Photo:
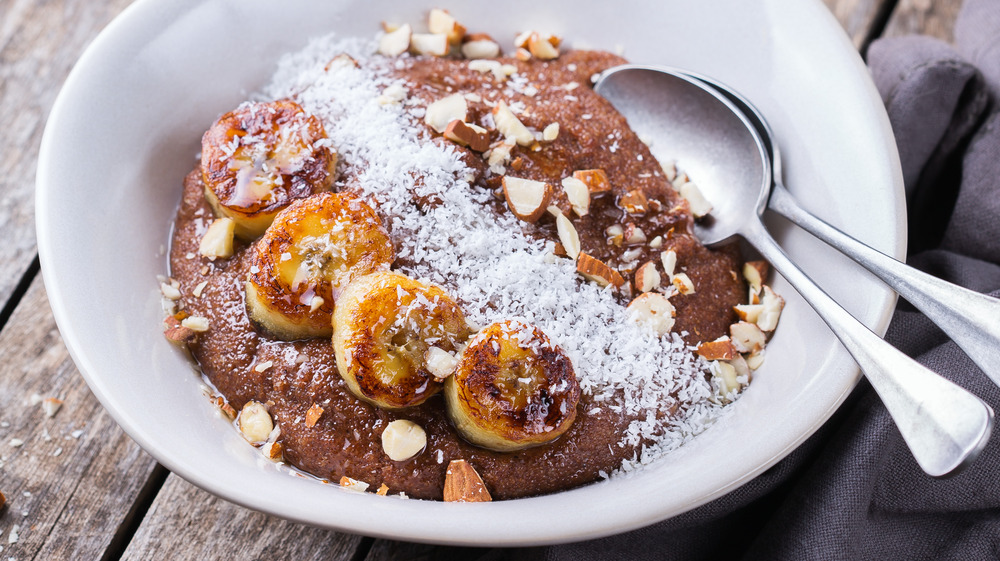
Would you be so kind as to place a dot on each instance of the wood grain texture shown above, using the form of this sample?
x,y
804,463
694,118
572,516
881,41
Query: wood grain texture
x,y
857,17
39,43
925,17
186,523
72,483
387,550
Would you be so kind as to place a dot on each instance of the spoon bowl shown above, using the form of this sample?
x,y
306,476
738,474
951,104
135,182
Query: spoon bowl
x,y
944,426
704,131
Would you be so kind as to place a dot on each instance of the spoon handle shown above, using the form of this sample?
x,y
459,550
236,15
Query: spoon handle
x,y
944,426
971,319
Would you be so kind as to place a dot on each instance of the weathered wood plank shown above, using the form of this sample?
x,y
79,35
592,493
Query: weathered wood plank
x,y
386,550
186,523
39,43
926,17
857,17
73,480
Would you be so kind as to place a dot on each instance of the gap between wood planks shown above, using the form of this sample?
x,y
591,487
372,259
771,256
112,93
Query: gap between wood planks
x,y
18,293
878,26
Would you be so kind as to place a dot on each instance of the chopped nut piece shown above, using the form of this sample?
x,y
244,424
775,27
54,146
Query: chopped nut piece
x,y
656,243
740,364
199,289
597,271
440,21
699,204
647,277
353,484
313,414
226,409
316,303
463,484
747,337
578,195
480,48
383,490
683,283
445,110
526,198
273,451
434,44
653,310
754,272
755,359
466,134
440,363
485,66
218,239
263,366
545,48
255,422
634,202
725,375
510,126
550,132
633,235
392,94
522,54
176,333
616,234
196,323
772,306
748,312
395,42
720,349
51,405
559,250
568,236
521,41
403,439
595,180
170,292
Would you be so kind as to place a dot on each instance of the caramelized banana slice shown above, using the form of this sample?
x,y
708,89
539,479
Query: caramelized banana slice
x,y
259,158
382,327
512,389
314,248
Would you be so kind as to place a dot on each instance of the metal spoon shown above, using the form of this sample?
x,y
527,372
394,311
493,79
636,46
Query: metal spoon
x,y
944,426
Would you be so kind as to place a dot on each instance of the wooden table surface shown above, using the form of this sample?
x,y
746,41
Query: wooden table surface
x,y
78,487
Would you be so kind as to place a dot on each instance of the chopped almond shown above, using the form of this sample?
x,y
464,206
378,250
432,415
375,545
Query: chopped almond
x,y
754,272
595,180
434,44
550,132
510,126
440,21
480,48
578,195
568,236
353,484
544,48
218,239
748,312
634,202
669,259
313,415
772,306
396,41
274,451
403,439
597,271
440,363
51,406
383,490
747,337
466,134
463,484
255,422
226,409
699,204
725,374
720,349
683,283
653,310
442,112
177,333
755,359
633,235
522,54
647,277
526,198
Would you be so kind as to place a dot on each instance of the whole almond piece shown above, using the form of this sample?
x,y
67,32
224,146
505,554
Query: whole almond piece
x,y
463,484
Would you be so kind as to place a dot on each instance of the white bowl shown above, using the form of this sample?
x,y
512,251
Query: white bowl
x,y
127,125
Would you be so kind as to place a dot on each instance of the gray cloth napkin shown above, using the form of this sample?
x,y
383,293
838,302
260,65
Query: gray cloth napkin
x,y
852,491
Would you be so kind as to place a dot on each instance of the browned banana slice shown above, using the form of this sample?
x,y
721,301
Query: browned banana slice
x,y
383,325
259,158
512,389
314,248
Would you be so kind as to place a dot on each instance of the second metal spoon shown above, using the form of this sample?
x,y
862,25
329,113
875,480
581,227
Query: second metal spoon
x,y
944,426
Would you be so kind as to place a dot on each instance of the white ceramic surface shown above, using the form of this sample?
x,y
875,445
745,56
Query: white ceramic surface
x,y
127,125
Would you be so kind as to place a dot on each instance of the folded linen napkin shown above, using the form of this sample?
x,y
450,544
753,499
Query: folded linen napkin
x,y
853,491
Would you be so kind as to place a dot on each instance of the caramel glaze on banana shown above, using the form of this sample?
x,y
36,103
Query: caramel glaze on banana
x,y
257,159
383,325
513,389
306,258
